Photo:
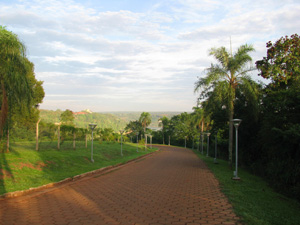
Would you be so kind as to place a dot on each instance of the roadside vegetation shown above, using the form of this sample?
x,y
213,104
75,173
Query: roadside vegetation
x,y
253,200
269,135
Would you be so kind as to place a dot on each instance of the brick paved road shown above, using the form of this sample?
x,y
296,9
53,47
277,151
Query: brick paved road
x,y
170,187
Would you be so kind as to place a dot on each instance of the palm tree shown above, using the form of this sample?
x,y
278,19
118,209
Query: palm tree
x,y
163,123
14,84
198,118
145,120
227,75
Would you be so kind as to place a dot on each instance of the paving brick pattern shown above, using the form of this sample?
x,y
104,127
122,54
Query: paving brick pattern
x,y
170,187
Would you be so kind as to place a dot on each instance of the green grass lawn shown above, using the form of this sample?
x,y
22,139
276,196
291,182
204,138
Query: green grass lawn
x,y
253,200
24,167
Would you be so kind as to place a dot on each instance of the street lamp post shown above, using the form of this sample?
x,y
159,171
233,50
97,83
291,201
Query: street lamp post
x,y
122,132
146,137
184,141
207,144
137,141
236,123
92,126
151,141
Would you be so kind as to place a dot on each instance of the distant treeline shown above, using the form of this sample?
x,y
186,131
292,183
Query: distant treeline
x,y
113,120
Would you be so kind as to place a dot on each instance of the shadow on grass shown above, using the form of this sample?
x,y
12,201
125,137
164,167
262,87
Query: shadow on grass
x,y
5,172
33,168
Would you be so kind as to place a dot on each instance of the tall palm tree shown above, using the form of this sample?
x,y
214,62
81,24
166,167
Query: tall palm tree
x,y
229,71
145,120
163,123
198,118
14,84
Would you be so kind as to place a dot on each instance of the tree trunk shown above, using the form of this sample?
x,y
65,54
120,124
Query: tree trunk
x,y
231,112
4,108
37,136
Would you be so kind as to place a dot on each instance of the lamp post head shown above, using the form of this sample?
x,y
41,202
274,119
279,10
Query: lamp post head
x,y
121,131
236,122
92,126
207,134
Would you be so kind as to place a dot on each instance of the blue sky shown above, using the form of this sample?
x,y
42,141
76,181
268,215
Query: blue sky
x,y
135,55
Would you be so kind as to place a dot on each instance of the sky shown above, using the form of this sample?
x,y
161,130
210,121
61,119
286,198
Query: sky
x,y
133,55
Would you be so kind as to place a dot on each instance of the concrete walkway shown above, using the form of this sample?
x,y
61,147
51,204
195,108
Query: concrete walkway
x,y
170,187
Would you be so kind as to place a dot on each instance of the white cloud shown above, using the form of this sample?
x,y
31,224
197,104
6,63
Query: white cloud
x,y
137,59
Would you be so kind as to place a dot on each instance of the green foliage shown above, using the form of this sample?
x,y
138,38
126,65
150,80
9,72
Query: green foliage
x,y
20,91
164,123
82,121
133,116
108,134
178,128
145,120
280,138
252,198
67,117
222,79
269,134
134,127
283,60
279,148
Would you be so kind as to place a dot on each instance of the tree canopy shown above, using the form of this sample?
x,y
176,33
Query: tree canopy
x,y
224,77
20,91
145,120
282,63
67,117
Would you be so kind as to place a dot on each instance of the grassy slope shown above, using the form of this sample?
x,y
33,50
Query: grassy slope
x,y
25,168
104,120
253,200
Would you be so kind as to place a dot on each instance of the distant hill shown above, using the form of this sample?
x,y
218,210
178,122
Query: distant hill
x,y
114,120
103,120
155,116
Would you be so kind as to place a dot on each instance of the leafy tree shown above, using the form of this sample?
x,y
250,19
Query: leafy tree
x,y
67,117
164,124
134,127
15,86
226,76
282,63
182,126
145,120
107,134
280,130
29,117
199,119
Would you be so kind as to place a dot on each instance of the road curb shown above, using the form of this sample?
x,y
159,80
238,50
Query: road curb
x,y
69,180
